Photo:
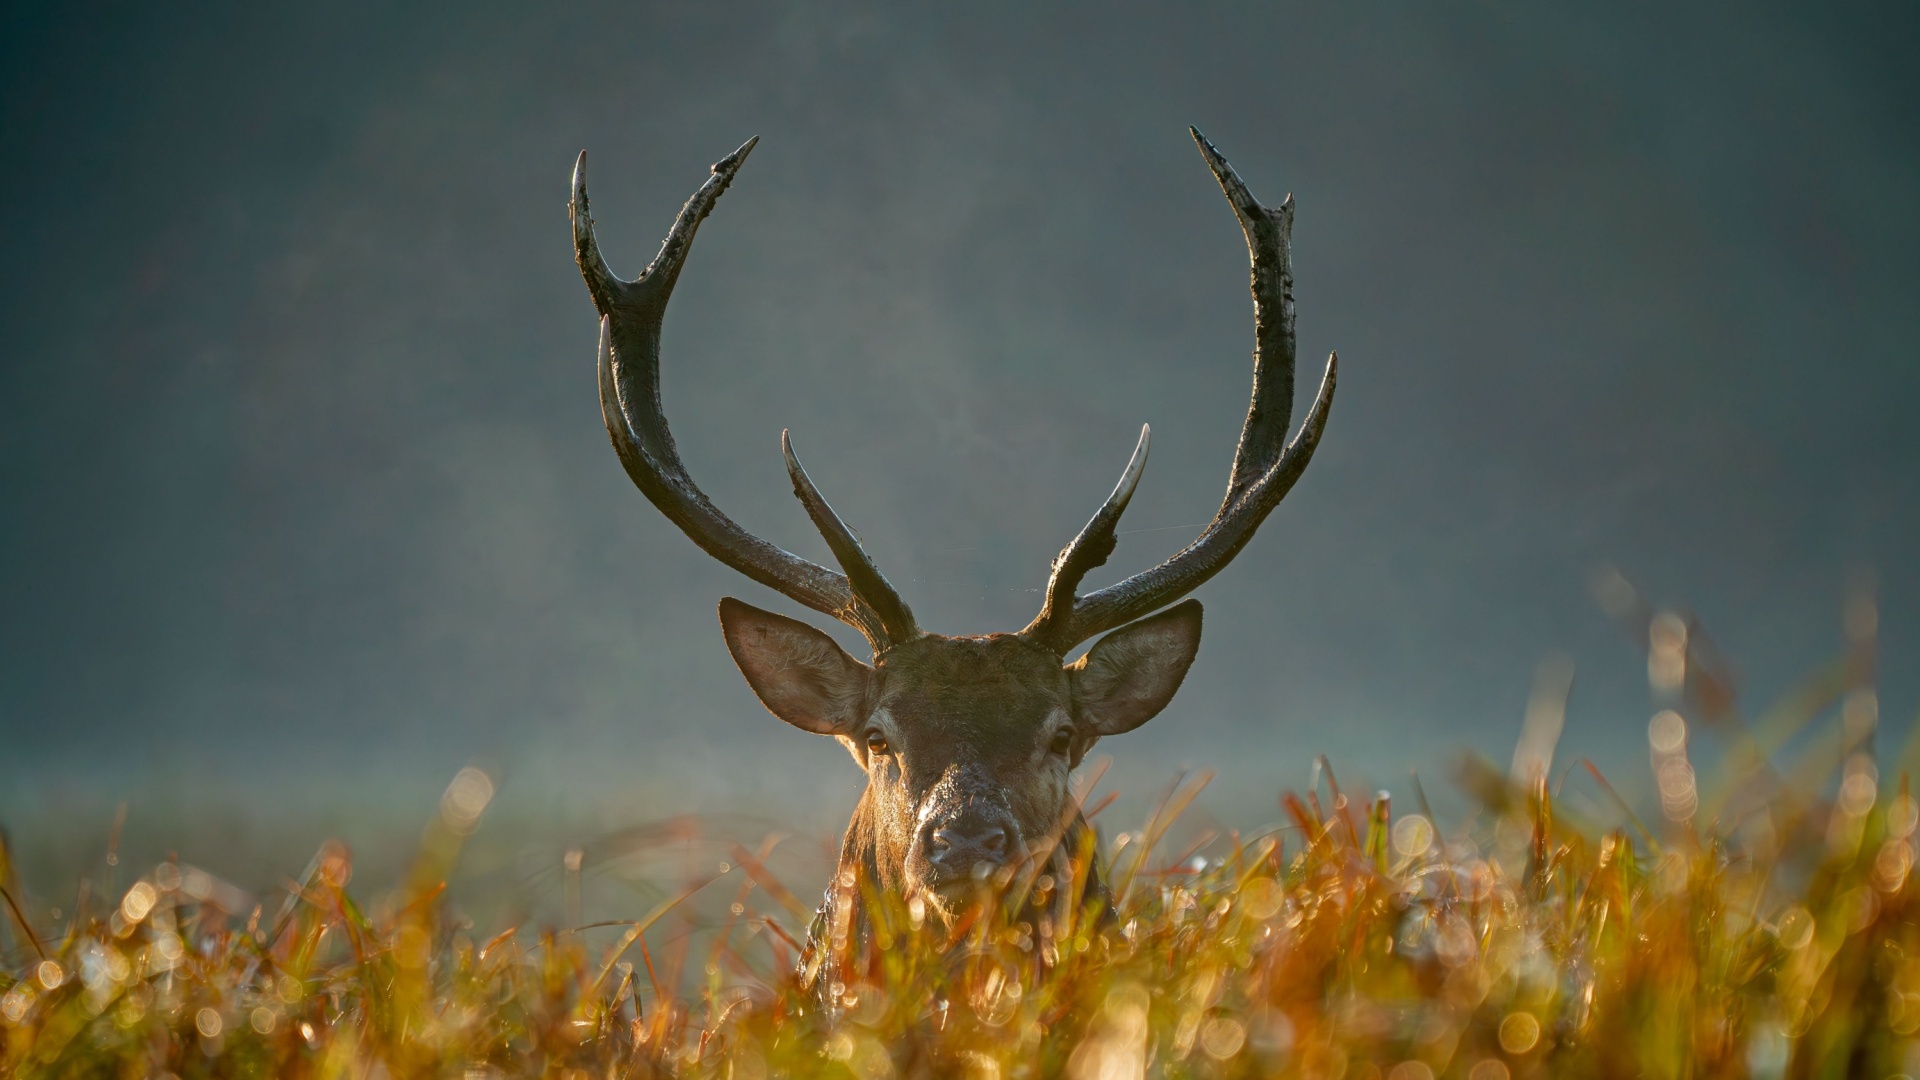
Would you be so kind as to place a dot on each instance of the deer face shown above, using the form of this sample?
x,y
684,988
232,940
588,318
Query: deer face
x,y
967,742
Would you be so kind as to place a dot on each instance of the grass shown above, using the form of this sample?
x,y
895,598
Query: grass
x,y
1763,923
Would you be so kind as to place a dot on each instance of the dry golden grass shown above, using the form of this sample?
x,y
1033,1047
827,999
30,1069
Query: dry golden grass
x,y
1761,925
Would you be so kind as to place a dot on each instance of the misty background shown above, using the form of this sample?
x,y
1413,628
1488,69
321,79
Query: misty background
x,y
305,501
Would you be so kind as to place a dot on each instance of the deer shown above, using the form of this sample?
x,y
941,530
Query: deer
x,y
968,743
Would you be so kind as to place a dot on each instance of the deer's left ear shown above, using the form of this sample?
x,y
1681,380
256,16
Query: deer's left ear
x,y
1130,675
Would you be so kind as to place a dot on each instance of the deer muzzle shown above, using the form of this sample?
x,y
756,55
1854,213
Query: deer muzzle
x,y
966,835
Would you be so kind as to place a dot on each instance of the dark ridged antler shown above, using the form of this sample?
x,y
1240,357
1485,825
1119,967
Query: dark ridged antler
x,y
630,318
1265,465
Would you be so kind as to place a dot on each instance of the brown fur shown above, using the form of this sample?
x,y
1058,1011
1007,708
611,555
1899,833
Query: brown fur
x,y
959,737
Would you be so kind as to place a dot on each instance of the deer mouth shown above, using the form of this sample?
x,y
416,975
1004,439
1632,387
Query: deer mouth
x,y
949,896
960,889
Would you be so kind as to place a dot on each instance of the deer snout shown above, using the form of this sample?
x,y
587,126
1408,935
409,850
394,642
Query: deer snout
x,y
969,845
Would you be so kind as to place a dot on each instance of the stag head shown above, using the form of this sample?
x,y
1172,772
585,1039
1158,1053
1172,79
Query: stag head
x,y
967,742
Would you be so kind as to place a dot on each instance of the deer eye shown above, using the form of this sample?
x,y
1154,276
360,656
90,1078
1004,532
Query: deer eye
x,y
1062,743
876,743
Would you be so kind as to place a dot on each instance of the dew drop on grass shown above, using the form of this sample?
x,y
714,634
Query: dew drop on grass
x,y
1519,1032
1412,836
1222,1037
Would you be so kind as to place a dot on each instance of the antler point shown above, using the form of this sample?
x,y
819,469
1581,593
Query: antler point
x,y
731,163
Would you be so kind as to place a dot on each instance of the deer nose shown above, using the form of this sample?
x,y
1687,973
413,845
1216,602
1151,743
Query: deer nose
x,y
968,846
988,840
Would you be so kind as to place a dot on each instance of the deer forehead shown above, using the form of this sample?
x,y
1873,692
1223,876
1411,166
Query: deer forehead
x,y
976,687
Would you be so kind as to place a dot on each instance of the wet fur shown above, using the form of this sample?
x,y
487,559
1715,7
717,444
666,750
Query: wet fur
x,y
952,730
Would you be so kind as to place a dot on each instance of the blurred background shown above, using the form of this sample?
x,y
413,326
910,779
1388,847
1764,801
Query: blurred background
x,y
305,502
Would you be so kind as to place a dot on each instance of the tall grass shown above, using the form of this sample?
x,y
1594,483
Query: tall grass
x,y
1760,924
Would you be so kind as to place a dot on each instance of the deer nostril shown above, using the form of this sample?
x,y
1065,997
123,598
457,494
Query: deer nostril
x,y
993,841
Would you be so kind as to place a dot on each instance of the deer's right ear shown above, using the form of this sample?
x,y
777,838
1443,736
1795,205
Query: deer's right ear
x,y
801,675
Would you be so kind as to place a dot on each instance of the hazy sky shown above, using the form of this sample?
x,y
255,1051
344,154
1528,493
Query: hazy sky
x,y
302,478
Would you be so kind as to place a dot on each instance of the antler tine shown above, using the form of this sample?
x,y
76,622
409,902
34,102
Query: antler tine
x,y
1269,234
655,283
629,368
1086,551
869,584
1265,464
605,288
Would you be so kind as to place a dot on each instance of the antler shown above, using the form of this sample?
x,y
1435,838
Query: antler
x,y
1265,465
630,318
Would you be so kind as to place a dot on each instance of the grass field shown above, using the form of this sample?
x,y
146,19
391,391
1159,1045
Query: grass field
x,y
1761,922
